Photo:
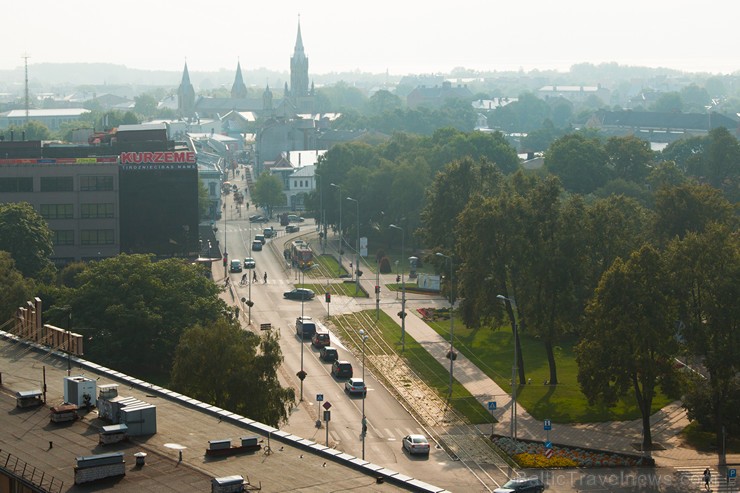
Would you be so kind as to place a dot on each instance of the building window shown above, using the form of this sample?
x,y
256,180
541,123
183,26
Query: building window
x,y
96,183
96,237
63,237
16,184
92,211
56,184
56,211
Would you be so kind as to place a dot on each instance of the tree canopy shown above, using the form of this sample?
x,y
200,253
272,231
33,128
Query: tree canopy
x,y
27,237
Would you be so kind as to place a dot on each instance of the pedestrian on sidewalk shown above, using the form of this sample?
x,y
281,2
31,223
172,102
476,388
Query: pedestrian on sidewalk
x,y
265,277
707,477
254,276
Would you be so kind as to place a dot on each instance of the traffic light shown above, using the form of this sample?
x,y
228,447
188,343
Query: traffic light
x,y
398,278
327,297
377,289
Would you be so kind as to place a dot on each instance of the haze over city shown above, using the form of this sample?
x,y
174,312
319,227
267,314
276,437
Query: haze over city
x,y
380,36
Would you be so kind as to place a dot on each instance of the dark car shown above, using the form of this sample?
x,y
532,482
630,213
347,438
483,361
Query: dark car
x,y
522,485
261,238
320,339
257,218
269,232
256,246
292,228
299,294
342,369
329,354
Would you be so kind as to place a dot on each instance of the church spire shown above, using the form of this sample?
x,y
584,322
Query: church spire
x,y
186,95
238,89
299,39
299,68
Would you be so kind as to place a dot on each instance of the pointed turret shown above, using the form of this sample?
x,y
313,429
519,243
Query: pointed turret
x,y
267,100
299,68
186,95
239,89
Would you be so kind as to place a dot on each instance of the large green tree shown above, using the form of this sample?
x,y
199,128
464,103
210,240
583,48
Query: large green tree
x,y
629,157
628,340
268,192
133,310
580,162
706,270
689,207
27,237
221,364
15,288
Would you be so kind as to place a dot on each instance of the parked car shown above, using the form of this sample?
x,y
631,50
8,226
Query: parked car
x,y
355,386
329,354
416,444
304,294
260,238
256,246
522,485
342,369
320,339
249,263
235,266
292,228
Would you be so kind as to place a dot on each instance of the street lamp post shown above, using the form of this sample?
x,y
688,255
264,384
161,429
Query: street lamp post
x,y
303,342
340,225
514,369
451,354
357,258
403,288
364,418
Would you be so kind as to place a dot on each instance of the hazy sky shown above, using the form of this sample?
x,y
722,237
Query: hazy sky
x,y
401,36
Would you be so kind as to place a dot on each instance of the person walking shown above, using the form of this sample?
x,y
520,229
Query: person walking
x,y
244,279
265,277
707,477
254,276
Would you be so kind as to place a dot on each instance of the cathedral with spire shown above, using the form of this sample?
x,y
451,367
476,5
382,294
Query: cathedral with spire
x,y
298,97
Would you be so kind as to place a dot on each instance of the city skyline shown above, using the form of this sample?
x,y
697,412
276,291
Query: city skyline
x,y
400,38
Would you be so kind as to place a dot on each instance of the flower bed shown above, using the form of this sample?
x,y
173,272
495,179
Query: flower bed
x,y
532,455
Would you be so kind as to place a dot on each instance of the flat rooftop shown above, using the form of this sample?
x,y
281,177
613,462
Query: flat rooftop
x,y
50,449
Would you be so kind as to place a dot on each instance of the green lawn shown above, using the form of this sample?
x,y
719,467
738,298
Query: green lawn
x,y
428,369
493,352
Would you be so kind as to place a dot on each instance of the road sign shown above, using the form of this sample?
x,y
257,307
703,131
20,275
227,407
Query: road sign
x,y
548,453
491,405
319,397
732,473
548,444
327,405
548,425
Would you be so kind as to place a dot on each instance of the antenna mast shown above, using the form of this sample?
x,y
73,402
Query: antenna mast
x,y
25,59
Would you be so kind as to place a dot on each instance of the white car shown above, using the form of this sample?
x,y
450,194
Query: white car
x,y
355,386
416,444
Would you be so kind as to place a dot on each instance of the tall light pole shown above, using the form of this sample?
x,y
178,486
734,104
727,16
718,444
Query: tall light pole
x,y
403,288
303,342
357,258
451,354
514,369
340,225
364,393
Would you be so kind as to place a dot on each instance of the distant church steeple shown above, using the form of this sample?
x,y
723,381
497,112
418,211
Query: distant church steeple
x,y
239,89
267,100
299,68
186,95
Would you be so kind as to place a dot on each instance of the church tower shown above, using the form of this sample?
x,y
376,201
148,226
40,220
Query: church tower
x,y
239,89
267,100
186,95
298,69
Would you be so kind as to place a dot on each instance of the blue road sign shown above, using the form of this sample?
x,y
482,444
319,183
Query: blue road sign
x,y
548,425
548,444
732,473
491,405
319,397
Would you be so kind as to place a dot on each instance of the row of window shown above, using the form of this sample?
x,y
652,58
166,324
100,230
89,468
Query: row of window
x,y
66,211
300,183
87,237
57,184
